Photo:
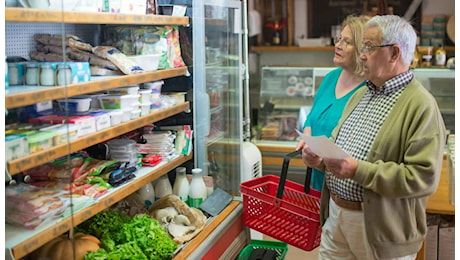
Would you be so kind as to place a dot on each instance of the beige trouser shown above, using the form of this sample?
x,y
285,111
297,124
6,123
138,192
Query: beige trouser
x,y
343,237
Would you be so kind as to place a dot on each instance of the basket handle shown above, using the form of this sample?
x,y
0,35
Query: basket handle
x,y
284,170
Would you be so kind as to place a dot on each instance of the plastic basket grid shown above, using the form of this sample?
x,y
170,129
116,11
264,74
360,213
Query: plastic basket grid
x,y
293,219
279,247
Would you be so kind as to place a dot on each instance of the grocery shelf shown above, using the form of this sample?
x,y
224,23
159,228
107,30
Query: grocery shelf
x,y
22,241
17,14
27,162
18,96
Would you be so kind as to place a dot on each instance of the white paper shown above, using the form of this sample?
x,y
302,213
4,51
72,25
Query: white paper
x,y
323,146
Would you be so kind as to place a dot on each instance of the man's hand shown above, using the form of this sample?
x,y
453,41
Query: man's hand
x,y
311,159
300,145
342,168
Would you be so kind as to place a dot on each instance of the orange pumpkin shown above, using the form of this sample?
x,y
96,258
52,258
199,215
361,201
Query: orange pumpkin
x,y
61,248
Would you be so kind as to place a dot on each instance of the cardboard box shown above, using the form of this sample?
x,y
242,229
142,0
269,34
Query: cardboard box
x,y
16,146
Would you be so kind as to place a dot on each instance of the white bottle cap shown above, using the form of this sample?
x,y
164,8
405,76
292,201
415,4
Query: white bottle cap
x,y
196,170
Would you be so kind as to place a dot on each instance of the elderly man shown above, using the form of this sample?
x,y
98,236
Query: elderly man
x,y
373,202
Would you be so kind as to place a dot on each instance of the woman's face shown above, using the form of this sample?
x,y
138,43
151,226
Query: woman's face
x,y
344,50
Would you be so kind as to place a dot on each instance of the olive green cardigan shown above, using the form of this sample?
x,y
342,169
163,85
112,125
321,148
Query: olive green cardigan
x,y
403,169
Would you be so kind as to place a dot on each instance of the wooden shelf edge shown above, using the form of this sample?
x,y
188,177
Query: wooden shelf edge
x,y
207,230
28,246
24,163
19,14
58,92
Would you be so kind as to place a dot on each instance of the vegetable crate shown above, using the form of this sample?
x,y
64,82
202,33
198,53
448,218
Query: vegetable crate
x,y
279,247
288,212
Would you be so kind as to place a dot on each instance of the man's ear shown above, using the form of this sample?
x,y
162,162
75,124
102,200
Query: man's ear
x,y
395,53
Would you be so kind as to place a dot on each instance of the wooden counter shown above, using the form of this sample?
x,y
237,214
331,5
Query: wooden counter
x,y
439,202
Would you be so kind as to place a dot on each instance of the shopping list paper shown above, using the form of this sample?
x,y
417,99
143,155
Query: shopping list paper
x,y
323,146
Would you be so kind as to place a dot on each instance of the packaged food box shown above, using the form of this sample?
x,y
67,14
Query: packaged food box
x,y
73,105
95,103
80,71
102,119
40,141
115,116
145,96
64,133
145,109
126,115
128,90
48,119
135,113
87,124
16,146
119,101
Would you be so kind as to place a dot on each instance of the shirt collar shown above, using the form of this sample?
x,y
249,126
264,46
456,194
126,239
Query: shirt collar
x,y
391,85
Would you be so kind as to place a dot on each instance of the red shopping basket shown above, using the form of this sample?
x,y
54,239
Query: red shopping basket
x,y
288,212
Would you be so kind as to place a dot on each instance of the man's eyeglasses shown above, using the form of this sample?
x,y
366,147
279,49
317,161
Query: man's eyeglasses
x,y
366,49
338,40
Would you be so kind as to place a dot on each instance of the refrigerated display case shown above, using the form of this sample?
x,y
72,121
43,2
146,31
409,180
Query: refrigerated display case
x,y
217,110
286,94
218,91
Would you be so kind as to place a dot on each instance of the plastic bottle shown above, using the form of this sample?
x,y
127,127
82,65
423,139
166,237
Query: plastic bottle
x,y
198,192
162,187
147,194
440,56
32,74
64,75
181,186
13,74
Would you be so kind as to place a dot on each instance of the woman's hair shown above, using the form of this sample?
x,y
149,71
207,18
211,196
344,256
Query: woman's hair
x,y
396,30
356,25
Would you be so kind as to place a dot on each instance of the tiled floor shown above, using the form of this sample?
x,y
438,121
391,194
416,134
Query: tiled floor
x,y
294,253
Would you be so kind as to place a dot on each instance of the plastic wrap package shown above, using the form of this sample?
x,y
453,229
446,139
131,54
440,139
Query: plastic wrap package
x,y
118,58
30,206
144,40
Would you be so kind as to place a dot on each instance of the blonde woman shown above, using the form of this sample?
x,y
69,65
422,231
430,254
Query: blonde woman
x,y
337,86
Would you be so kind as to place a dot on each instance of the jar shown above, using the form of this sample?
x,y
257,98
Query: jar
x,y
13,74
31,74
46,75
151,41
64,75
426,52
7,80
440,56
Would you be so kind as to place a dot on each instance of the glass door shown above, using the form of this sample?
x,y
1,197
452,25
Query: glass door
x,y
218,95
